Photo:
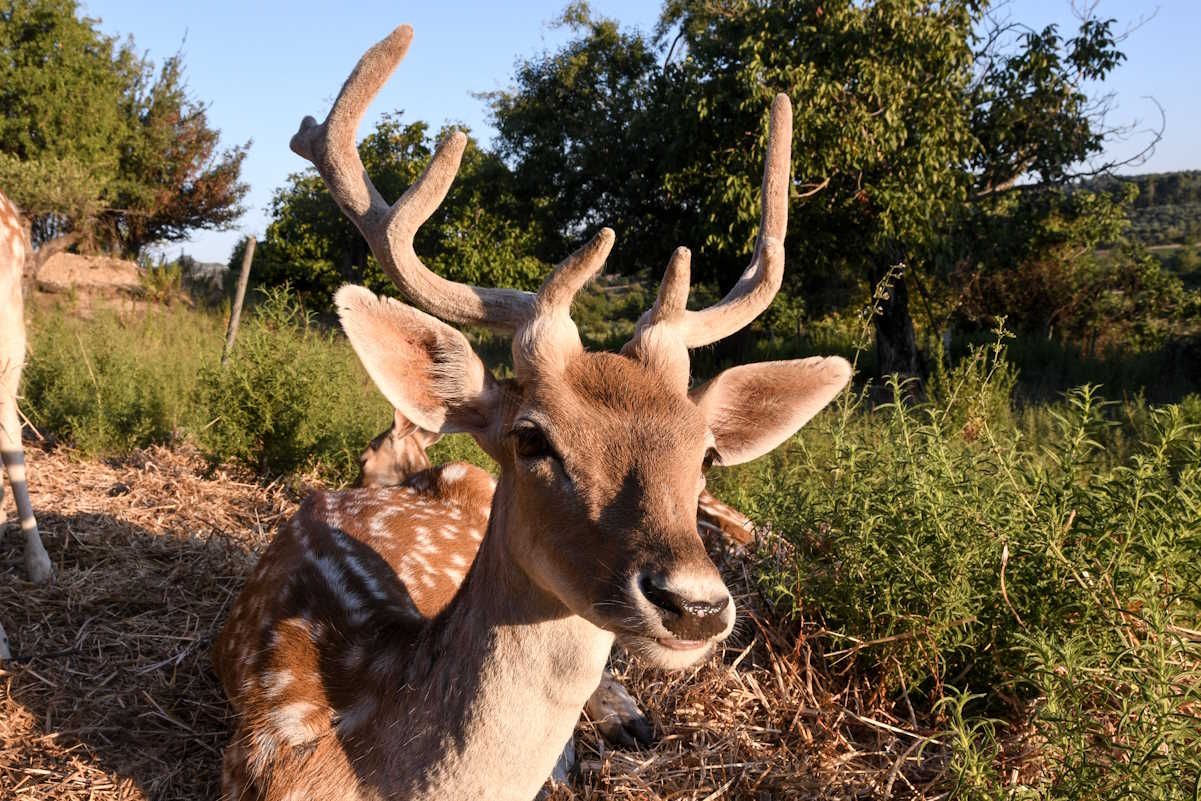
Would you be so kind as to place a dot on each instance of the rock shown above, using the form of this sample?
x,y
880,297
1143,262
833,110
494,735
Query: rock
x,y
63,272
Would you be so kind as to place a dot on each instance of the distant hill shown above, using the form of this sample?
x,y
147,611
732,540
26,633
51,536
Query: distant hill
x,y
1167,210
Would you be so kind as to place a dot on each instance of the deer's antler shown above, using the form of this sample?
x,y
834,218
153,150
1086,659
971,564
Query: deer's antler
x,y
389,229
666,332
542,328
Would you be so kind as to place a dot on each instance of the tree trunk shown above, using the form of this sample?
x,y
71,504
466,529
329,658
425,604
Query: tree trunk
x,y
34,259
896,343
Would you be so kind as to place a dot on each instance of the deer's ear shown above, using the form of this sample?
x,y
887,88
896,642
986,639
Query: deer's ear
x,y
753,408
425,368
401,425
426,438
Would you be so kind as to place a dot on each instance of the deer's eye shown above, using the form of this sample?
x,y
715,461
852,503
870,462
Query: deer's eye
x,y
530,442
711,456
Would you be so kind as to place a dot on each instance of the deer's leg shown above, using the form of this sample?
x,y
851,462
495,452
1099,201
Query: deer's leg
x,y
5,654
566,764
37,561
617,715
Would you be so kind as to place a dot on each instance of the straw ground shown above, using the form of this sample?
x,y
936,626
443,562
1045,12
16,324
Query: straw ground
x,y
111,695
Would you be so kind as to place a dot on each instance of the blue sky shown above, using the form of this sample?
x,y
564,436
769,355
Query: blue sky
x,y
262,65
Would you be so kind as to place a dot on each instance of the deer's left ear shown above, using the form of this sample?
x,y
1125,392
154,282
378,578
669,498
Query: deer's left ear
x,y
753,408
426,369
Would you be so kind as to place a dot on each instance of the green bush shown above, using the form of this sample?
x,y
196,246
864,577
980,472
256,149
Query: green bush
x,y
965,543
117,382
293,397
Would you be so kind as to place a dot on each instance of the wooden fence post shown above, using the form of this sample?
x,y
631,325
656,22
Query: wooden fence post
x,y
235,314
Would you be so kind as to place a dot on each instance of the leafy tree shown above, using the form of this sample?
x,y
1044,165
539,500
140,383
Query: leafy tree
x,y
61,86
172,179
1167,208
1030,114
905,120
1051,252
1075,274
590,136
311,245
97,146
881,136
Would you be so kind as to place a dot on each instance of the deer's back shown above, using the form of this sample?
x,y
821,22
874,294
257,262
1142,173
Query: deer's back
x,y
298,654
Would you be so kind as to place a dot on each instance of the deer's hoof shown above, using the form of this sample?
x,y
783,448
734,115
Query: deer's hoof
x,y
618,716
37,562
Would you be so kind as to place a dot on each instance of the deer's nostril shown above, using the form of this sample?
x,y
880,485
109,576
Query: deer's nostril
x,y
679,608
654,587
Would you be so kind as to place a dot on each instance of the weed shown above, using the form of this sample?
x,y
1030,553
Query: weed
x,y
292,398
995,571
117,382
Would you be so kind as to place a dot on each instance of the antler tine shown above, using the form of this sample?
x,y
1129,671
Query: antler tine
x,y
570,275
672,300
666,331
330,146
658,337
389,230
549,337
761,280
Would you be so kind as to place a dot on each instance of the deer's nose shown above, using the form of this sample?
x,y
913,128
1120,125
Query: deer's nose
x,y
689,613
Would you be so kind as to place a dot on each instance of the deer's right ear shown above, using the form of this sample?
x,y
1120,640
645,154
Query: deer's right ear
x,y
425,368
401,425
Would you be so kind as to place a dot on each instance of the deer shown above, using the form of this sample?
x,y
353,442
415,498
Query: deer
x,y
397,456
13,252
340,687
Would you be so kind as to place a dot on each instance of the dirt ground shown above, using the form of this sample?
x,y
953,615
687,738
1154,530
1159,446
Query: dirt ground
x,y
111,694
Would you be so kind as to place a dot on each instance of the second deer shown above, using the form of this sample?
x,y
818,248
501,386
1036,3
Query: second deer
x,y
13,249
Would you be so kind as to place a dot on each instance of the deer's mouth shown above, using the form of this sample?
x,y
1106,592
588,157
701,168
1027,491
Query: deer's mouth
x,y
668,653
675,644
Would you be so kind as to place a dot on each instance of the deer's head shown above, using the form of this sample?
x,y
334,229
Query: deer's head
x,y
602,455
395,454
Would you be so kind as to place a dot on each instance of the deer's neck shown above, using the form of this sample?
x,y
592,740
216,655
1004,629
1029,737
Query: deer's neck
x,y
494,688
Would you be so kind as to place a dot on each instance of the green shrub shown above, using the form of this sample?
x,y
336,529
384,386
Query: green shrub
x,y
162,282
956,542
117,382
293,397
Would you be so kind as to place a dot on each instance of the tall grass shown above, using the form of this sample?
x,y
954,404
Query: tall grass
x,y
118,381
1003,563
293,398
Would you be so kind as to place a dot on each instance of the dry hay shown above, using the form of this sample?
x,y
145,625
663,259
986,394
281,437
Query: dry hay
x,y
115,698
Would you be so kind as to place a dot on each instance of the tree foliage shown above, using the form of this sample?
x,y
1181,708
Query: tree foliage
x,y
1030,114
909,116
587,133
1058,262
95,141
310,244
1167,208
925,133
